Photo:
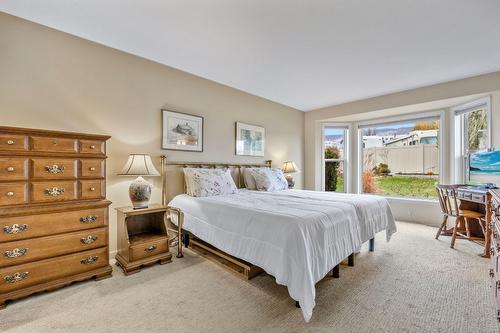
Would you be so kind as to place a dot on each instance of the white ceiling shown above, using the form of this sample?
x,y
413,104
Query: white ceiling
x,y
302,53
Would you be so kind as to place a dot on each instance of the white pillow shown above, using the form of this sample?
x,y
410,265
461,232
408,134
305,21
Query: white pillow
x,y
267,179
248,179
209,182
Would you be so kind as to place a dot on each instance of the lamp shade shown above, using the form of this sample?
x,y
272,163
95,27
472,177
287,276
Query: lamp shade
x,y
290,167
139,165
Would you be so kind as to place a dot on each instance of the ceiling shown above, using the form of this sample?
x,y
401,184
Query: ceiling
x,y
304,54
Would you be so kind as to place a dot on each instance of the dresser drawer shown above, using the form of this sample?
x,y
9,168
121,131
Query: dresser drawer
x,y
13,142
147,249
25,275
92,147
53,191
92,168
13,194
23,227
19,252
54,168
92,189
13,168
53,144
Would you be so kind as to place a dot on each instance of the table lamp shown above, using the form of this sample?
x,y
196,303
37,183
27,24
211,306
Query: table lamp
x,y
290,167
139,190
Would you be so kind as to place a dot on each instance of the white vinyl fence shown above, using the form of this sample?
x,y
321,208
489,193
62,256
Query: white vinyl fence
x,y
420,159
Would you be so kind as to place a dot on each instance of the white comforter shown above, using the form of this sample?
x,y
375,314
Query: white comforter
x,y
296,236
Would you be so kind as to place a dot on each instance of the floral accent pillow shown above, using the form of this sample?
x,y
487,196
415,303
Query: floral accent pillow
x,y
248,178
209,182
269,179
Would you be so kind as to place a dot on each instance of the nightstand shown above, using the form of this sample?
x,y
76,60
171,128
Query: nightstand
x,y
142,238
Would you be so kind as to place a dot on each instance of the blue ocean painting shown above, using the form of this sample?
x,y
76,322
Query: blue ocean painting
x,y
485,167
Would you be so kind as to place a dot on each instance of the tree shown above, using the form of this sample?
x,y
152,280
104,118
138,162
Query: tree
x,y
331,169
477,122
426,125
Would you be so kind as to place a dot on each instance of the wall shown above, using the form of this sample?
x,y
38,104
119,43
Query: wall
x,y
52,80
404,209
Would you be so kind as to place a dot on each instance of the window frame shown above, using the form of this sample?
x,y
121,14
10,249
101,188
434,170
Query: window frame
x,y
346,127
459,113
439,114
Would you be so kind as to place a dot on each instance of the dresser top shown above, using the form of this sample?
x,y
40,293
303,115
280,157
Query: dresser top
x,y
21,130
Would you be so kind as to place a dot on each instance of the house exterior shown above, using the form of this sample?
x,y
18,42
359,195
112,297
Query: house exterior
x,y
414,138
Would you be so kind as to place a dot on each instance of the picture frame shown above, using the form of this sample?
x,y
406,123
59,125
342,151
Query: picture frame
x,y
182,131
250,139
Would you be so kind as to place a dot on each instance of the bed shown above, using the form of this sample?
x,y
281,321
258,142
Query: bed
x,y
296,236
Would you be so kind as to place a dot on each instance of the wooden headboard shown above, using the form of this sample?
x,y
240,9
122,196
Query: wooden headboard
x,y
176,172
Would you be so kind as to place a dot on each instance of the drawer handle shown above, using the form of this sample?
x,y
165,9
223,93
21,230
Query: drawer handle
x,y
54,191
88,240
54,169
10,169
92,189
492,273
15,229
92,169
150,248
16,277
9,194
92,146
10,142
89,260
15,253
88,219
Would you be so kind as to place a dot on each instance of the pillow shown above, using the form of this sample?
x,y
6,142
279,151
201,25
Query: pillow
x,y
209,182
269,179
248,179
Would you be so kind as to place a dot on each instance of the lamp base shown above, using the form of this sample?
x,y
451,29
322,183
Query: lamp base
x,y
291,182
139,193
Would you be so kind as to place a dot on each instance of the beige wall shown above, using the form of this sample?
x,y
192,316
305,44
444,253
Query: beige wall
x,y
52,80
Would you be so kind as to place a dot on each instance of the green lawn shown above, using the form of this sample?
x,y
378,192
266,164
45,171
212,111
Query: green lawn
x,y
413,187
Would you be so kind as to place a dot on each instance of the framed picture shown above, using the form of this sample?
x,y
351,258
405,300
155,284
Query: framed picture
x,y
181,131
250,140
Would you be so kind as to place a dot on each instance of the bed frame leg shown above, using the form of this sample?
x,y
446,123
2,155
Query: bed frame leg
x,y
336,272
350,260
371,245
185,239
297,305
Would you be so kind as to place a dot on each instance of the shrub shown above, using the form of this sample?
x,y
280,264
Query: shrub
x,y
331,169
369,185
381,169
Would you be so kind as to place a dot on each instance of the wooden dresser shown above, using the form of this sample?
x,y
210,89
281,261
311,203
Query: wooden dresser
x,y
53,210
495,248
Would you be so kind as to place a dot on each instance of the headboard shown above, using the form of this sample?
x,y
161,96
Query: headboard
x,y
175,174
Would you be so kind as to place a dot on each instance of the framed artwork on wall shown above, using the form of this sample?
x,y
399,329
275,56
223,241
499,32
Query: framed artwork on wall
x,y
181,131
250,140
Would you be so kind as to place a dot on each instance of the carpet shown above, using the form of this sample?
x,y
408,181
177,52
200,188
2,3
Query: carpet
x,y
412,284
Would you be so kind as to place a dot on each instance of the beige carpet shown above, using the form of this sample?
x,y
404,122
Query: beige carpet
x,y
412,284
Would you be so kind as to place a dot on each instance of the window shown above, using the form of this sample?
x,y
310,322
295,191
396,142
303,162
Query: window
x,y
401,159
334,158
472,133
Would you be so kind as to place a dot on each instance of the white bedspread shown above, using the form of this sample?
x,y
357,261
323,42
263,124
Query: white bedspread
x,y
296,236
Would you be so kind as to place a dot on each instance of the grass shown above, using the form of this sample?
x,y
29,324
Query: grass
x,y
411,187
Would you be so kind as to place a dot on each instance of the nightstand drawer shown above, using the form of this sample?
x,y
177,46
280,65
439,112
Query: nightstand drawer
x,y
140,249
19,252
